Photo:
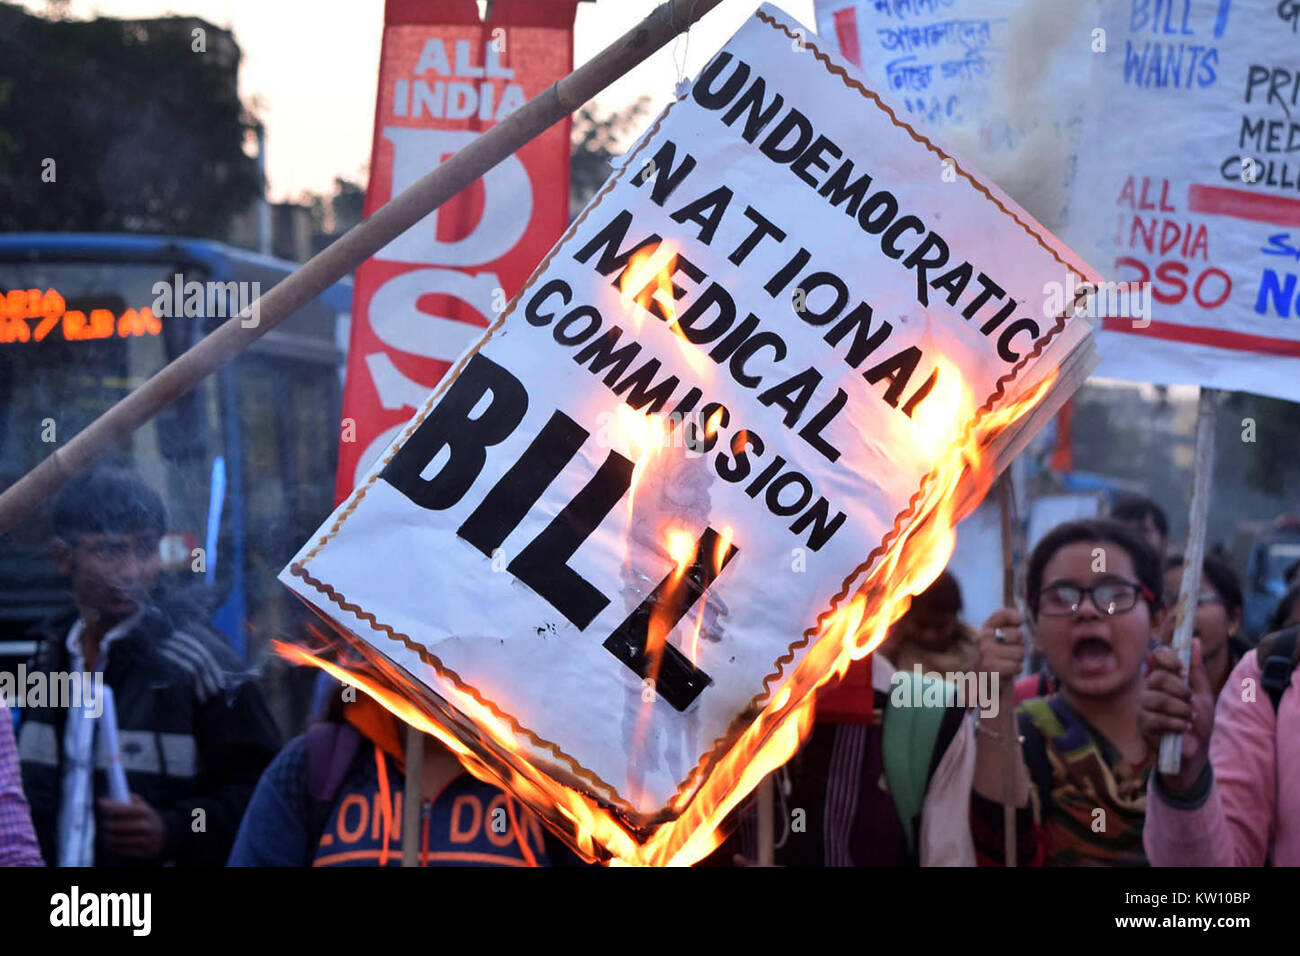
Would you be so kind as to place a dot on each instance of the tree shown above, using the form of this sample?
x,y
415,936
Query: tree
x,y
596,140
336,214
121,126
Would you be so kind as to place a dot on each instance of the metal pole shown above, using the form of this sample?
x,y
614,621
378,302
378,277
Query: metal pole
x,y
1007,712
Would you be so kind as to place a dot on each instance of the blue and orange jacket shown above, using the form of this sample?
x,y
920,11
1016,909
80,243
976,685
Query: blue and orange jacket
x,y
468,823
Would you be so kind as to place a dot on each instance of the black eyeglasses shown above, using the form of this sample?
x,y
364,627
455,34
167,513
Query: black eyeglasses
x,y
1109,597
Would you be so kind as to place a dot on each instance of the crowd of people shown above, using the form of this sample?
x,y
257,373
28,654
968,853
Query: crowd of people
x,y
880,781
897,787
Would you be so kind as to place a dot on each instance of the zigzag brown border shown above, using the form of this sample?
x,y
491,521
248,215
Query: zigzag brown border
x,y
722,743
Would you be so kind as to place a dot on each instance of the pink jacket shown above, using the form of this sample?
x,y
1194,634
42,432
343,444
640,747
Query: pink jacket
x,y
1252,812
18,846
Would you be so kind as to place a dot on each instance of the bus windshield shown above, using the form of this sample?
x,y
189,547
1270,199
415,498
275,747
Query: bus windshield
x,y
75,337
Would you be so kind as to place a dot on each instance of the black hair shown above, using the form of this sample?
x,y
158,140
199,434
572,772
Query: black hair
x,y
107,501
1145,563
943,596
1135,508
1222,578
1277,620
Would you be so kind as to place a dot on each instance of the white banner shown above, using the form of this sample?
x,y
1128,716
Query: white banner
x,y
1191,183
844,295
1004,82
936,59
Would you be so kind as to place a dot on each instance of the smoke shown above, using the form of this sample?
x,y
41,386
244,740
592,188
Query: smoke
x,y
1039,102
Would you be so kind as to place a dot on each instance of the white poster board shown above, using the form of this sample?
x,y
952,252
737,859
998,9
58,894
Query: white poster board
x,y
1191,186
840,281
1003,81
938,60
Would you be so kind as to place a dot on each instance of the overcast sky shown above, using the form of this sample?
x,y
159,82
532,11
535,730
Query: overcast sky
x,y
310,69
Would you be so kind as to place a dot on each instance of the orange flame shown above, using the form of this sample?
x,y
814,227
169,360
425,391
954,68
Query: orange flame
x,y
724,544
647,280
646,436
681,548
853,630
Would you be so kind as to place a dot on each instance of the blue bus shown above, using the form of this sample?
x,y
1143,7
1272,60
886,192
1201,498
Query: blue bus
x,y
245,462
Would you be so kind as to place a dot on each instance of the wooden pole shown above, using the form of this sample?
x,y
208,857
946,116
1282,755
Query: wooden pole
x,y
1007,709
348,252
411,794
766,822
1171,745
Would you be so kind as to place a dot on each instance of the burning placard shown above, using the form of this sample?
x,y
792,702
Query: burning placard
x,y
705,454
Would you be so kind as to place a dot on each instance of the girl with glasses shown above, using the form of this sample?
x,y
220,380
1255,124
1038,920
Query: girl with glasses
x,y
1093,591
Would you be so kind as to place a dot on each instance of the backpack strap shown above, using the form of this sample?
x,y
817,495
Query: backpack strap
x,y
1277,661
331,750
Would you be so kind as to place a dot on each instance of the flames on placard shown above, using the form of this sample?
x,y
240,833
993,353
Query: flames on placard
x,y
648,281
645,436
785,712
681,548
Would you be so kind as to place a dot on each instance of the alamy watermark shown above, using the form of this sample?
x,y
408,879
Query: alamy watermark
x,y
695,432
133,911
208,299
964,689
1121,300
60,689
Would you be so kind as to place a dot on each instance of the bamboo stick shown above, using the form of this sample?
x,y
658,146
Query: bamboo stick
x,y
347,253
411,795
1007,710
766,822
1171,745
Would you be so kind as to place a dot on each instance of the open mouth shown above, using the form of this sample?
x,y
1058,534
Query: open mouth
x,y
1093,655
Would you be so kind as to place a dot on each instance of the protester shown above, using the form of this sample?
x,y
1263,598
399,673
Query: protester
x,y
1094,597
931,632
1236,798
18,846
333,797
194,734
1218,614
877,756
1038,684
1146,518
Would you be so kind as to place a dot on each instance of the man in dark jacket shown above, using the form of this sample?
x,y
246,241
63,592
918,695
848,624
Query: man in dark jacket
x,y
194,732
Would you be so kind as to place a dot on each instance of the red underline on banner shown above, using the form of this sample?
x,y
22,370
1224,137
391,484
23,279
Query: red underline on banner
x,y
1240,204
1216,338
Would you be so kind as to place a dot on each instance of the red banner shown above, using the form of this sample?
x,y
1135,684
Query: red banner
x,y
446,76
